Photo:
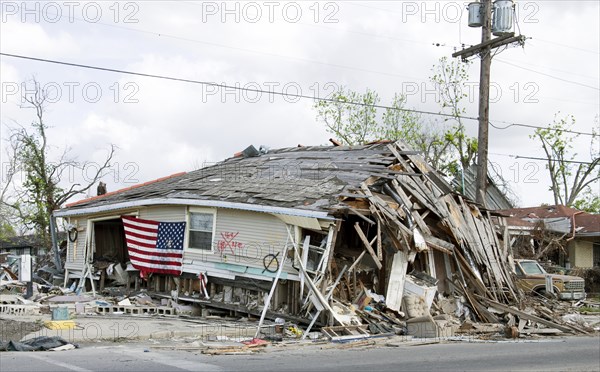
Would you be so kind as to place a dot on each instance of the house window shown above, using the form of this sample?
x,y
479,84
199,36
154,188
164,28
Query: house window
x,y
596,254
201,230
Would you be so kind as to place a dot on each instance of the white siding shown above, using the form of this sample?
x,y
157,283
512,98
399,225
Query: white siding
x,y
242,238
164,213
76,250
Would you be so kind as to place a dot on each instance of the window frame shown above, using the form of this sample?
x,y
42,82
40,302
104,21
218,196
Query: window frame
x,y
188,229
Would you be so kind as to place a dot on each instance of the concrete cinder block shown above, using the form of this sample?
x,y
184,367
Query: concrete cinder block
x,y
20,310
163,310
8,299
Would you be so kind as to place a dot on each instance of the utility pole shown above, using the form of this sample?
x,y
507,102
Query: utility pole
x,y
484,104
484,49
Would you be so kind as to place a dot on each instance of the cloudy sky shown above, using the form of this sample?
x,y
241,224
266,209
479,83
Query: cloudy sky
x,y
304,47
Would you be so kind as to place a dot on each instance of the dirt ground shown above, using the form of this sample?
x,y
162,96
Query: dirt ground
x,y
12,330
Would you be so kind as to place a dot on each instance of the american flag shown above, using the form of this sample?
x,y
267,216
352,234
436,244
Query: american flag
x,y
154,247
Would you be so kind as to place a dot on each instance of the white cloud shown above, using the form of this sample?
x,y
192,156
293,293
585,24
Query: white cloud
x,y
162,127
35,40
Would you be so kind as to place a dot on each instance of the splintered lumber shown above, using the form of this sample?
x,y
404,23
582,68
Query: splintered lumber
x,y
327,297
319,296
524,315
344,333
379,244
365,241
439,244
354,211
357,261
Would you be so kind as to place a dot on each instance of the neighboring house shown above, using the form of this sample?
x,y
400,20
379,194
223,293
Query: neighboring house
x,y
551,227
377,209
13,247
25,244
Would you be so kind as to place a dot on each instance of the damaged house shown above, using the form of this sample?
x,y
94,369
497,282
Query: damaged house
x,y
304,231
566,236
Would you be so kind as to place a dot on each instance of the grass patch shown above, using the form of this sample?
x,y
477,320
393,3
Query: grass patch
x,y
589,309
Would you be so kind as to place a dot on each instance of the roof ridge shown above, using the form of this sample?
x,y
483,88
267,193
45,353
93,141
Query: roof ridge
x,y
125,189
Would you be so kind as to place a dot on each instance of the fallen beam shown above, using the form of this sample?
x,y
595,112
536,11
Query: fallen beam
x,y
524,315
365,241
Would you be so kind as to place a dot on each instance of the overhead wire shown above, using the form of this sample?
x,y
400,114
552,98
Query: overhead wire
x,y
332,64
545,159
568,46
273,92
232,87
548,75
537,127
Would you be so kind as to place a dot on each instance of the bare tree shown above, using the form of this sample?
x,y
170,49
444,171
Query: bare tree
x,y
570,179
41,191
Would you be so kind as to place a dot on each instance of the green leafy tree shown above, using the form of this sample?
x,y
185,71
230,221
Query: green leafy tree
x,y
7,173
445,145
588,201
449,78
573,183
358,124
408,126
353,124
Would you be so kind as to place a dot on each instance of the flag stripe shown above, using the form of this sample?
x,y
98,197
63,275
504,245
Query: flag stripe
x,y
145,252
143,242
154,247
145,235
155,263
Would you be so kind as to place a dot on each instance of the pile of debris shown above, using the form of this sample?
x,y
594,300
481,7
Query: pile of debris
x,y
395,250
416,218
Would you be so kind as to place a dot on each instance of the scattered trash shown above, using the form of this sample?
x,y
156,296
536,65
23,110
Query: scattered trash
x,y
41,343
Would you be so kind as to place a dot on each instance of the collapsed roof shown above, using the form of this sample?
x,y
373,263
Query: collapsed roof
x,y
558,218
311,178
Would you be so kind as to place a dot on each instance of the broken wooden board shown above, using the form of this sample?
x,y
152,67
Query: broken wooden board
x,y
395,290
342,333
365,241
524,315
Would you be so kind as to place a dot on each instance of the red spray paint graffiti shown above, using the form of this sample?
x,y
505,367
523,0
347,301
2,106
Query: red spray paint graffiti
x,y
228,241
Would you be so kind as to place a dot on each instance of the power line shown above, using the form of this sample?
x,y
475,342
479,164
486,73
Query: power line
x,y
548,75
303,96
568,46
551,68
305,60
184,80
546,159
537,127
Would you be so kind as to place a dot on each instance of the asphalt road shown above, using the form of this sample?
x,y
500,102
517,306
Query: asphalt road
x,y
569,354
